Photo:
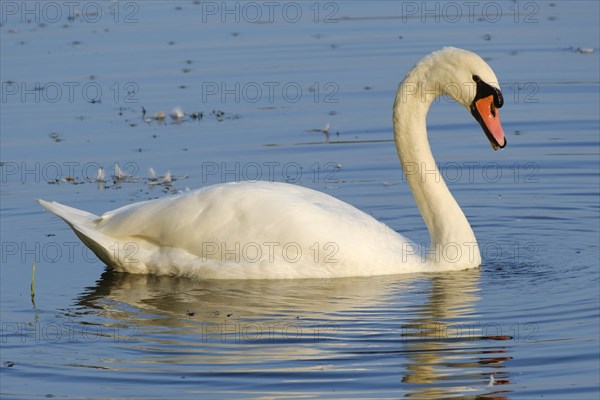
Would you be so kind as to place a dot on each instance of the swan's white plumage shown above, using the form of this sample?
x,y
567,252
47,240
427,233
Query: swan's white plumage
x,y
269,230
218,232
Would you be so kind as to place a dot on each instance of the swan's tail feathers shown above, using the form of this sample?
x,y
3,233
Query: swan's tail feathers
x,y
84,224
70,215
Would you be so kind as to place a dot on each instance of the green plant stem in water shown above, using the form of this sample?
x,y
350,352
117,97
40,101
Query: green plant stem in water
x,y
33,284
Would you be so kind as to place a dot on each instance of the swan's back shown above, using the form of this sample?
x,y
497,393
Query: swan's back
x,y
261,230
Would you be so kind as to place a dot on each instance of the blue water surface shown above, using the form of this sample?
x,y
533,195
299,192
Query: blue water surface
x,y
81,85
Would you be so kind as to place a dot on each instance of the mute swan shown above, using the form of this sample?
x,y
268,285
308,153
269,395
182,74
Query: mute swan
x,y
271,230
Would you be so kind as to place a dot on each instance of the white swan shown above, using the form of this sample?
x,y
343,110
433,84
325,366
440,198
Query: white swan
x,y
270,230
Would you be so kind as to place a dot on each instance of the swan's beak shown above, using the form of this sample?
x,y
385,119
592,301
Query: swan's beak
x,y
486,113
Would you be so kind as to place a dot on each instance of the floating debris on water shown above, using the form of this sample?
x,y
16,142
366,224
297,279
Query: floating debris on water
x,y
151,174
325,130
580,50
100,175
119,173
177,114
167,179
121,176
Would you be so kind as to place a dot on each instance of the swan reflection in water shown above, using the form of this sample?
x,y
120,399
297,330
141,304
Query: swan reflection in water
x,y
444,341
352,326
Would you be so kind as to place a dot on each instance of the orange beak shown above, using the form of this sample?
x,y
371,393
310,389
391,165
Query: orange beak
x,y
486,113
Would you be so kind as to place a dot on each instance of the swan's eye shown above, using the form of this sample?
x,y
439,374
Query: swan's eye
x,y
476,78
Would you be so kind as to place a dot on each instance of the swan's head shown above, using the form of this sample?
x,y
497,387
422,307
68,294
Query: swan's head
x,y
470,81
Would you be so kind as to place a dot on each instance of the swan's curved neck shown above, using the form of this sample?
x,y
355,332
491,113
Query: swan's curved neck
x,y
453,242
